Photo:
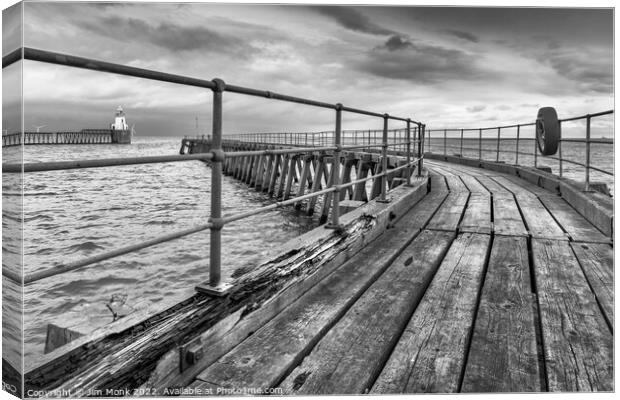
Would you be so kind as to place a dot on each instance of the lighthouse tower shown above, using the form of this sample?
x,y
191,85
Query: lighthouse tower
x,y
120,124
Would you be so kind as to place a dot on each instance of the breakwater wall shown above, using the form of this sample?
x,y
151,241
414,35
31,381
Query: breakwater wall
x,y
85,136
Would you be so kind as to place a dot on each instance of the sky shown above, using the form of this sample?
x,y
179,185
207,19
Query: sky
x,y
454,67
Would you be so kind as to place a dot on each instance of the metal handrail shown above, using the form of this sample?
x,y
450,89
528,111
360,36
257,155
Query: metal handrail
x,y
216,157
561,160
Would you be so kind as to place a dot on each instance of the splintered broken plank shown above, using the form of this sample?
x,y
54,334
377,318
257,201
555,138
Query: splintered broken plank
x,y
506,217
473,185
577,227
455,184
351,355
264,358
539,222
438,183
430,354
449,214
597,263
503,355
578,344
477,218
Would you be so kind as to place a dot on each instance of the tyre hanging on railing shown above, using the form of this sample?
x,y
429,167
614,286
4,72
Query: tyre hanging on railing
x,y
547,131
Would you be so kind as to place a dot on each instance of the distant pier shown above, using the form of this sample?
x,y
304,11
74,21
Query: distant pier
x,y
85,136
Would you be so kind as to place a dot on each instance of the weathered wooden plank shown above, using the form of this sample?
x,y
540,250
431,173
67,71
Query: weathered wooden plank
x,y
539,222
477,217
361,172
265,357
506,217
303,179
448,216
577,227
578,344
430,354
426,208
438,183
353,352
518,185
597,263
274,173
327,199
455,184
267,174
316,185
493,186
473,185
503,356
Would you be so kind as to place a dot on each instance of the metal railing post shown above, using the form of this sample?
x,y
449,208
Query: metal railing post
x,y
445,142
517,148
499,130
560,147
336,171
461,149
384,163
408,151
420,144
429,138
588,117
480,144
215,285
535,149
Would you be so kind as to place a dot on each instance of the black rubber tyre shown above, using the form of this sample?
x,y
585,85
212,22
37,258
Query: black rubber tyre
x,y
547,131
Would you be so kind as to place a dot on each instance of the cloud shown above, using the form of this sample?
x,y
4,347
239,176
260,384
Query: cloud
x,y
475,109
463,35
353,20
171,37
406,59
590,69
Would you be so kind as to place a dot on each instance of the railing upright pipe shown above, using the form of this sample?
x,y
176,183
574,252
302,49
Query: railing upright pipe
x,y
560,148
588,152
445,141
420,145
408,132
336,170
517,145
461,149
499,133
479,144
384,160
215,285
535,149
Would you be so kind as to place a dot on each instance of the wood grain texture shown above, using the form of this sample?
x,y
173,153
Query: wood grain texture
x,y
503,355
449,214
455,184
493,186
506,217
477,217
578,344
597,263
430,355
577,227
349,358
264,358
540,223
473,185
426,209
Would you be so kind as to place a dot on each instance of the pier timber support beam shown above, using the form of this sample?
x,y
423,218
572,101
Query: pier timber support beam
x,y
143,349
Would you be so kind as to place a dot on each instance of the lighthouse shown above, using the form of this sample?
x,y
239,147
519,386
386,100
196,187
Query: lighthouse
x,y
120,124
121,133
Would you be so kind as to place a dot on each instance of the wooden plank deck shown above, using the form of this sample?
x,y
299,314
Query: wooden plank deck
x,y
488,284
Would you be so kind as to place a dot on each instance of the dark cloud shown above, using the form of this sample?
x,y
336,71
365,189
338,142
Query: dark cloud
x,y
590,70
406,59
396,42
171,37
463,35
353,20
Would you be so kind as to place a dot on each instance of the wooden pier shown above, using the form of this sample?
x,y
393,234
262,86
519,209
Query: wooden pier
x,y
488,284
471,280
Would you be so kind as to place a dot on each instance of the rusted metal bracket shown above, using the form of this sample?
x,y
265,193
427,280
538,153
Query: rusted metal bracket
x,y
190,353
